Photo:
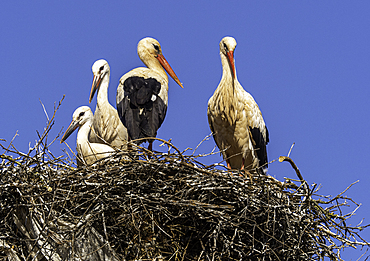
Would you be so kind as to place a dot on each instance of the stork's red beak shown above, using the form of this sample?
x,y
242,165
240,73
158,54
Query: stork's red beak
x,y
95,85
230,57
168,68
71,128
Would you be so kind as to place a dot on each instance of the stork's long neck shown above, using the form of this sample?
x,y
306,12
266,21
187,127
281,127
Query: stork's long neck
x,y
103,89
227,73
83,134
153,64
229,82
226,91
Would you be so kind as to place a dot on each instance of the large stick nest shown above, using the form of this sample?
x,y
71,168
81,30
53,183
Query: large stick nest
x,y
162,206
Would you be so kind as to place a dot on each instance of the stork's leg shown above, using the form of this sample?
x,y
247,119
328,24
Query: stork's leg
x,y
128,143
150,148
228,164
242,164
245,171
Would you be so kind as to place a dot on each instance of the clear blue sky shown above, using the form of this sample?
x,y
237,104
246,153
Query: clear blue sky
x,y
306,63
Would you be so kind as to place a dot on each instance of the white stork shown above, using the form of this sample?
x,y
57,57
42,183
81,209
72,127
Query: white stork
x,y
142,93
89,152
235,119
107,126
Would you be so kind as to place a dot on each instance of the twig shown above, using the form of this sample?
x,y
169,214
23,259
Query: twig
x,y
291,147
200,143
46,114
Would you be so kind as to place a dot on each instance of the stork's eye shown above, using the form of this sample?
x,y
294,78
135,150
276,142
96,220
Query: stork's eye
x,y
226,49
101,68
81,114
156,47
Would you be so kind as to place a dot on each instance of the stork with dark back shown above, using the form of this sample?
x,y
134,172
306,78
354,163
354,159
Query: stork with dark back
x,y
142,110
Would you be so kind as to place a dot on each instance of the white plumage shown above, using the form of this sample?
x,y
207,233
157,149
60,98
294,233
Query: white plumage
x,y
87,152
235,118
107,126
142,94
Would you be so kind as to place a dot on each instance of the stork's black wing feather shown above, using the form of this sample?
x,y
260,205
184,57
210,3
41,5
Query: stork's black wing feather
x,y
121,110
260,143
141,111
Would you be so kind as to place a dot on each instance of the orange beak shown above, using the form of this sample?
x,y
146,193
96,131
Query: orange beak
x,y
95,86
168,68
230,57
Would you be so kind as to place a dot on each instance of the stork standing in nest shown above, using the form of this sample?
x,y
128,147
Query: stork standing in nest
x,y
87,151
142,94
107,126
234,118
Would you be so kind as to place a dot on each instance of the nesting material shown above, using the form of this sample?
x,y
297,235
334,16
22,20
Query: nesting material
x,y
167,206
142,205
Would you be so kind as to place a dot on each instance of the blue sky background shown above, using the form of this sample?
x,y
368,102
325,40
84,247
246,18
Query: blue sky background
x,y
306,63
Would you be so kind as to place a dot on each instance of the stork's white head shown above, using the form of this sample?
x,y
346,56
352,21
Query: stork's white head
x,y
80,116
227,47
227,44
148,46
100,69
150,53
